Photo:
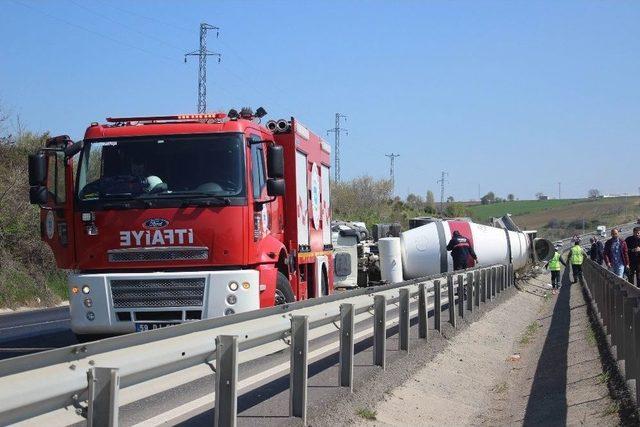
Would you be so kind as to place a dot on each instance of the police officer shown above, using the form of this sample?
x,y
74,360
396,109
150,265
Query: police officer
x,y
576,257
461,251
554,267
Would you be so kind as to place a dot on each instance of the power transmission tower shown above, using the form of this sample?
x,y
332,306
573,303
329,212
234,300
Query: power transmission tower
x,y
202,54
559,190
337,130
392,157
442,181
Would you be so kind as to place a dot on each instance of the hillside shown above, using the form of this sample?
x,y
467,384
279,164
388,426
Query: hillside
x,y
562,218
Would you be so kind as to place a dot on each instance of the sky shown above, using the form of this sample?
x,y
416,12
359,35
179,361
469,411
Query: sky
x,y
505,96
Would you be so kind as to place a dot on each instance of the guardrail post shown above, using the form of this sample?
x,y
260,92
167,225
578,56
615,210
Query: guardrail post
x,y
347,313
437,305
636,333
620,344
496,278
423,313
380,330
452,300
299,367
630,345
403,341
104,384
483,286
461,298
477,287
511,280
226,412
492,283
470,292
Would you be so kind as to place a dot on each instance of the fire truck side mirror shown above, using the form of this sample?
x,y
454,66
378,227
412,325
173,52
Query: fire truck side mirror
x,y
275,161
37,169
275,187
38,195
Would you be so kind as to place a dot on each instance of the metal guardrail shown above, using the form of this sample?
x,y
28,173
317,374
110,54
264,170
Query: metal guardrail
x,y
87,380
617,304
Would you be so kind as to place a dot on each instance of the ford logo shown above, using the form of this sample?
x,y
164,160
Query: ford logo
x,y
155,223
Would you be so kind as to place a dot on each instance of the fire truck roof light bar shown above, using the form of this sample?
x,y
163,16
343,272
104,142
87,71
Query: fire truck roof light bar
x,y
177,117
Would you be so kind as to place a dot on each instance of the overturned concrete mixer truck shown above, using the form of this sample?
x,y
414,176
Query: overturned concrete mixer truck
x,y
422,251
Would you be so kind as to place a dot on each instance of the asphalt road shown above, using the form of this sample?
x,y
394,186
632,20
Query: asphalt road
x,y
31,331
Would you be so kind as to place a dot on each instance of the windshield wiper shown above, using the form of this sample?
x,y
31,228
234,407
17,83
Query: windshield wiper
x,y
194,198
126,204
218,201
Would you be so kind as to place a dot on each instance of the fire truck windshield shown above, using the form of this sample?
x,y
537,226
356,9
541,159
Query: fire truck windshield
x,y
162,167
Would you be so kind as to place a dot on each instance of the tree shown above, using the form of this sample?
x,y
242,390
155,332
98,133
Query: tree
x,y
450,199
488,198
431,203
594,193
456,210
539,195
511,197
414,201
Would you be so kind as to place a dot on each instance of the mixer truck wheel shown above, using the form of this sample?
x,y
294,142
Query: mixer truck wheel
x,y
284,293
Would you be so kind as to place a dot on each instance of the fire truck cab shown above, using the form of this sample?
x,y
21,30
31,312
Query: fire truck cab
x,y
167,219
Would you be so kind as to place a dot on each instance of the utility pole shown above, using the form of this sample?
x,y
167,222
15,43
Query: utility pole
x,y
202,54
442,181
559,190
392,157
336,147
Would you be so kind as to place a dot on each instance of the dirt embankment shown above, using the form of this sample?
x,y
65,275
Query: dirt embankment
x,y
531,360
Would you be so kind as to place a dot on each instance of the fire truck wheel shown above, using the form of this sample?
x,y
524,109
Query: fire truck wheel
x,y
324,284
284,293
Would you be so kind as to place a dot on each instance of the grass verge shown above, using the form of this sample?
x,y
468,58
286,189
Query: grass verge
x,y
530,332
367,414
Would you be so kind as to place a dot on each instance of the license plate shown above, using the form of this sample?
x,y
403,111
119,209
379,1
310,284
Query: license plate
x,y
141,327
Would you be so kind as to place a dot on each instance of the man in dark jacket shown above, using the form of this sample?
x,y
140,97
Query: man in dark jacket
x,y
616,256
596,253
461,251
633,247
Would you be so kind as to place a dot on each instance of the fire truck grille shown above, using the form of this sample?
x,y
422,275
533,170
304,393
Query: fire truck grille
x,y
158,254
158,293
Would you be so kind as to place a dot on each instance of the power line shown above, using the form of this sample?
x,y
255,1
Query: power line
x,y
337,130
442,181
392,158
129,27
202,55
97,33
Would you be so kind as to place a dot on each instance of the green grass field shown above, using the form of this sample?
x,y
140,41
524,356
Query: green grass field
x,y
482,213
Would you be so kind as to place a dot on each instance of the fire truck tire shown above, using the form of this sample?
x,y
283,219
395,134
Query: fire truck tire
x,y
284,293
324,284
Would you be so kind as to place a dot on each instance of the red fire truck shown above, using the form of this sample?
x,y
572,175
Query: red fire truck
x,y
167,219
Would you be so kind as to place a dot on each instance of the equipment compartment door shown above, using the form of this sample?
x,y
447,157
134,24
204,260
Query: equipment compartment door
x,y
302,195
325,205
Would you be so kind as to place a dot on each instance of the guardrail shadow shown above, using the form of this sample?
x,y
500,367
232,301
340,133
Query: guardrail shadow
x,y
547,403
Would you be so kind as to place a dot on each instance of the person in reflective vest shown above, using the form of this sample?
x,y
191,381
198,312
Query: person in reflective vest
x,y
461,251
554,267
576,257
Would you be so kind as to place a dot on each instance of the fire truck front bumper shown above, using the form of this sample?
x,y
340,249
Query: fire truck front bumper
x,y
119,303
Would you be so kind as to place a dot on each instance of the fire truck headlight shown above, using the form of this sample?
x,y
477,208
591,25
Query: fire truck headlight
x,y
232,299
75,290
233,286
88,302
86,289
91,315
246,285
229,312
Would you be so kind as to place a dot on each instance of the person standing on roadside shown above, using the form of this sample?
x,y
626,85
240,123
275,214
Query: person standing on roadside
x,y
596,253
554,267
575,258
616,256
633,248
